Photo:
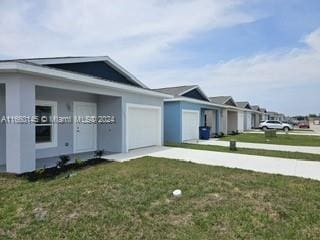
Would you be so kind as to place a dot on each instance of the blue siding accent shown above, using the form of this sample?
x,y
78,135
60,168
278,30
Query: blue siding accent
x,y
172,122
98,69
173,118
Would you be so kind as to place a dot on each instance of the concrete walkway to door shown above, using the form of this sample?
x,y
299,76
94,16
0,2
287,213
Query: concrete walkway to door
x,y
285,148
283,166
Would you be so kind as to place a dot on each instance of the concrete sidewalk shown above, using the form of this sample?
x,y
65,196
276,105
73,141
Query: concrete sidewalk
x,y
292,132
283,166
285,148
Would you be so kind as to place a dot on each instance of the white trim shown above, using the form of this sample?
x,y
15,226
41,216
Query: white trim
x,y
54,137
75,78
189,111
94,105
106,59
134,105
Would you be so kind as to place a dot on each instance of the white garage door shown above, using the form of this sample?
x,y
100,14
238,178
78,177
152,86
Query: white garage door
x,y
143,126
190,124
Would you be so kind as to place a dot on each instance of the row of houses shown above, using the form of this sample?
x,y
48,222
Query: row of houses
x,y
127,114
190,108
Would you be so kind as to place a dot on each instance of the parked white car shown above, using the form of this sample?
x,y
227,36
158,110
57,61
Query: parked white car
x,y
273,124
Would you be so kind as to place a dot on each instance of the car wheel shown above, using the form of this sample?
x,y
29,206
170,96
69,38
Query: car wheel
x,y
264,128
286,129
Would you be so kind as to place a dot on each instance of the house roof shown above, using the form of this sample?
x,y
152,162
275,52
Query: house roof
x,y
263,110
243,105
255,107
55,61
176,91
179,91
28,67
226,100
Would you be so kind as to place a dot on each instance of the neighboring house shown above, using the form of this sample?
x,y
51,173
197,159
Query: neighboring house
x,y
256,116
274,116
230,122
186,112
247,114
74,86
264,115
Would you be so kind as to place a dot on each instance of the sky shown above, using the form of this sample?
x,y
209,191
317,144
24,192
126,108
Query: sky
x,y
266,52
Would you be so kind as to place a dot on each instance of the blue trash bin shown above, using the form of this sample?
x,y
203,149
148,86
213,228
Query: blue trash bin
x,y
204,133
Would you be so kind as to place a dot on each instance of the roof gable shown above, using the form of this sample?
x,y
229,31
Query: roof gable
x,y
102,67
98,69
196,94
226,100
192,91
255,107
245,105
230,102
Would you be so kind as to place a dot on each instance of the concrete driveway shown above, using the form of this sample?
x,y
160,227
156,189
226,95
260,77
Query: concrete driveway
x,y
285,148
283,166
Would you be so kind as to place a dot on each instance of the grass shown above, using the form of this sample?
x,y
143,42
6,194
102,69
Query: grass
x,y
133,200
281,139
249,151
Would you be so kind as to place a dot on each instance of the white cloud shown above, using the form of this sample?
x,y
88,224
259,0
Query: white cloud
x,y
132,32
140,34
258,78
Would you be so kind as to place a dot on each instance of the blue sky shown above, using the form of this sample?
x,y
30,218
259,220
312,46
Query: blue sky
x,y
265,52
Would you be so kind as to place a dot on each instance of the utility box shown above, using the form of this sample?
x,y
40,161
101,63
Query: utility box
x,y
270,133
233,145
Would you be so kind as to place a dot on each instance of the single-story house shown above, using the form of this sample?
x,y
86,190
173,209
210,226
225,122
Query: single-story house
x,y
275,116
129,115
247,114
187,111
264,115
231,116
256,116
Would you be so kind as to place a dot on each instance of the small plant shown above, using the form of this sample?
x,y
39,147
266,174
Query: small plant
x,y
40,171
78,161
64,159
99,153
221,134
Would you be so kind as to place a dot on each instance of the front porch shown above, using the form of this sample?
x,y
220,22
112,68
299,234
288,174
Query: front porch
x,y
25,147
232,121
212,120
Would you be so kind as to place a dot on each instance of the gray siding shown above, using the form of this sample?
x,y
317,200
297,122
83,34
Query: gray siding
x,y
65,101
2,126
110,135
64,92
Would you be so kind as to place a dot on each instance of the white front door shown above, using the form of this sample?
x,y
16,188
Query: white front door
x,y
190,124
85,133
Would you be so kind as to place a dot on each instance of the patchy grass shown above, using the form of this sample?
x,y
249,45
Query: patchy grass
x,y
133,200
249,151
281,139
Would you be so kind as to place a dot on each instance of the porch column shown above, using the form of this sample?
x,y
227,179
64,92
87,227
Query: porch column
x,y
224,121
20,138
218,123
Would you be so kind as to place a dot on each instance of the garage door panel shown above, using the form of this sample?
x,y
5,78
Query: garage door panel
x,y
144,127
190,125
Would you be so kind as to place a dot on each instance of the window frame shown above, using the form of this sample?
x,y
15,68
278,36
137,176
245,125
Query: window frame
x,y
54,129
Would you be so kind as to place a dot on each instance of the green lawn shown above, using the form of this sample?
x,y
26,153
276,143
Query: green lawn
x,y
282,139
249,151
133,200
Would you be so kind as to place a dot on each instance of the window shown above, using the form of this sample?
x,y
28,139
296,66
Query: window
x,y
46,129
